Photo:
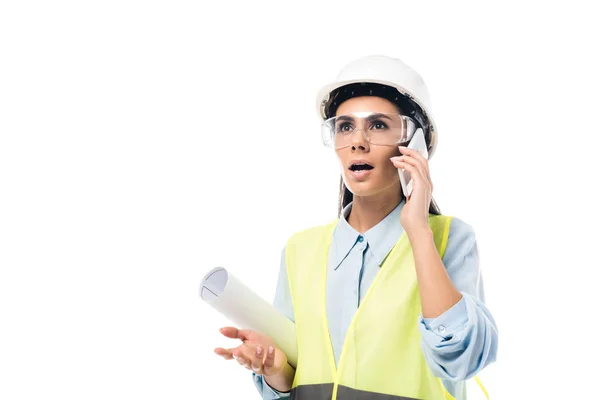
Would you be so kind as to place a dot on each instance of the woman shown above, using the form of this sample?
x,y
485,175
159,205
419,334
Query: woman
x,y
388,300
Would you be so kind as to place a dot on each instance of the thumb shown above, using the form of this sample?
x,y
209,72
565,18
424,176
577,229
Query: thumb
x,y
235,333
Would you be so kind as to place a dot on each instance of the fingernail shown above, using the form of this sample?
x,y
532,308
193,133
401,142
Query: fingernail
x,y
258,351
271,350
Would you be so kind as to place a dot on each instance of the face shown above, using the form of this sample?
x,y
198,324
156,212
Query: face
x,y
383,176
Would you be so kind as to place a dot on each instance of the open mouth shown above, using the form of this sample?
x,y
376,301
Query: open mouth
x,y
361,167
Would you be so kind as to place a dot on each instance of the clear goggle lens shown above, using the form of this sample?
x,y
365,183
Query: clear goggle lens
x,y
377,128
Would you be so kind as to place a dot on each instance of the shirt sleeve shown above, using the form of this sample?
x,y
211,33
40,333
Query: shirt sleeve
x,y
283,302
464,339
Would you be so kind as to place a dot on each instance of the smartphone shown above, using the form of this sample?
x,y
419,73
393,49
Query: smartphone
x,y
416,143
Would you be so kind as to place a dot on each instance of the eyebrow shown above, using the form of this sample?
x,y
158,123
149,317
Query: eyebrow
x,y
344,118
377,116
369,118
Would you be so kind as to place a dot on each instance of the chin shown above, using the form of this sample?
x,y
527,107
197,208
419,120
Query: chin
x,y
364,188
369,187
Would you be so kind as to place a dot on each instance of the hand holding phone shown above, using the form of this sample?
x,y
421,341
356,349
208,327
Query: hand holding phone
x,y
416,143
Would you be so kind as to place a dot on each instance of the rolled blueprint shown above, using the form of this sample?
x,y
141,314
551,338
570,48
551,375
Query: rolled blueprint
x,y
223,292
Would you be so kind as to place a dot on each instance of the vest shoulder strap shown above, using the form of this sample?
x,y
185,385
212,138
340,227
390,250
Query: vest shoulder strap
x,y
440,226
315,231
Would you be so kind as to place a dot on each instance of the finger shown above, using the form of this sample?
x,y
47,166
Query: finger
x,y
415,174
247,355
410,165
229,331
257,365
225,353
241,358
424,172
423,162
413,154
269,360
416,155
235,333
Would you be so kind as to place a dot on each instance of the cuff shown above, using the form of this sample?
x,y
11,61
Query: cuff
x,y
449,323
267,391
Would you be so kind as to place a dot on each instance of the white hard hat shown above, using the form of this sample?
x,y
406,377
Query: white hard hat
x,y
389,72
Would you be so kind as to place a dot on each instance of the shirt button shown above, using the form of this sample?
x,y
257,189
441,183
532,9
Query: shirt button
x,y
360,239
441,329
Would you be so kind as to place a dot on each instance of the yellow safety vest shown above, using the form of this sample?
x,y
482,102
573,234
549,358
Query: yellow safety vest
x,y
381,358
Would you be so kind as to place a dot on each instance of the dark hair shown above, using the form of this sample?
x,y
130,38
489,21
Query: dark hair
x,y
404,105
346,197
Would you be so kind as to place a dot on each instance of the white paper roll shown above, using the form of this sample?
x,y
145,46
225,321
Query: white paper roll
x,y
247,310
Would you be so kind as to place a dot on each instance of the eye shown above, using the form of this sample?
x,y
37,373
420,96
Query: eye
x,y
344,127
377,125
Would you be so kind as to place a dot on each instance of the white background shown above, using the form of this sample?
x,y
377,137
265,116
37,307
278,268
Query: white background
x,y
144,143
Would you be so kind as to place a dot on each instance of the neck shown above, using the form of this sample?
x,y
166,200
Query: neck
x,y
368,211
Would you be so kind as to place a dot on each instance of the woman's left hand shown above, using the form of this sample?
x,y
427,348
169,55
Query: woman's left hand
x,y
415,212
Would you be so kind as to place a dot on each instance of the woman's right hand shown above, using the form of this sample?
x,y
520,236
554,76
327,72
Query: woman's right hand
x,y
257,352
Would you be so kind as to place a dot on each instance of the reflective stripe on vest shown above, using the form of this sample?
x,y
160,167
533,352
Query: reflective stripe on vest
x,y
381,357
324,392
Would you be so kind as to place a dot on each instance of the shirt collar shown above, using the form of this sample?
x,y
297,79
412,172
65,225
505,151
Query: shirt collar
x,y
380,238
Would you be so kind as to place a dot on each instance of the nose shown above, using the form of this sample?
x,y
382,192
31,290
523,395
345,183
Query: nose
x,y
359,140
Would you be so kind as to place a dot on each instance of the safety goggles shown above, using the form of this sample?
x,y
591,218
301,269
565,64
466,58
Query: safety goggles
x,y
377,128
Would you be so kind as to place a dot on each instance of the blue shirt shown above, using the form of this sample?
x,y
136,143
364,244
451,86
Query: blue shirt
x,y
457,344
